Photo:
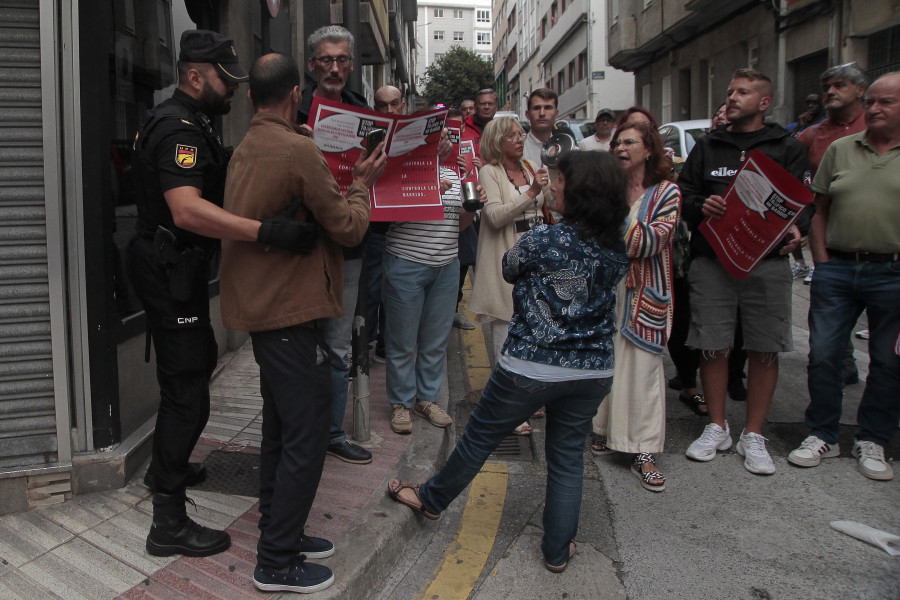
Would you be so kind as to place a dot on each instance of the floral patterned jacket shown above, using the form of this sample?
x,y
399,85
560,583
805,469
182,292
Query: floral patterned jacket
x,y
564,298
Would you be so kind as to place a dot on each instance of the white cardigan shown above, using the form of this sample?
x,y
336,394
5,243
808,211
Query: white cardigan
x,y
491,295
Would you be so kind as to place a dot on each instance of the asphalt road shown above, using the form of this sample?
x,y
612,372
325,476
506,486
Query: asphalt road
x,y
717,531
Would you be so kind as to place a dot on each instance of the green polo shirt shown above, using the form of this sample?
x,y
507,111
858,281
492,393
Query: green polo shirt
x,y
864,189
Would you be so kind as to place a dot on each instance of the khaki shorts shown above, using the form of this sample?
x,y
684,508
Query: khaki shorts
x,y
764,299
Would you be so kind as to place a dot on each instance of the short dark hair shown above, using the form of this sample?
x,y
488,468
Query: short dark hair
x,y
183,67
754,75
751,74
453,113
544,94
596,197
658,166
272,77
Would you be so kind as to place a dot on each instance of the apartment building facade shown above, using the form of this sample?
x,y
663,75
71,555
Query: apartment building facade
x,y
555,44
443,24
682,52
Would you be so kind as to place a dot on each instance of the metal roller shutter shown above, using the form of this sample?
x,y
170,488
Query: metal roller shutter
x,y
27,416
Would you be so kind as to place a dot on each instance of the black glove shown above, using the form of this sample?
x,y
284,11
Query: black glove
x,y
282,231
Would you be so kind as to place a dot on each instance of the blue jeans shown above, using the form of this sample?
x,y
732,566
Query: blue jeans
x,y
507,400
841,290
338,335
419,304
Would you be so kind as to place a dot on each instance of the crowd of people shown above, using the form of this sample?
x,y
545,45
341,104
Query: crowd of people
x,y
579,272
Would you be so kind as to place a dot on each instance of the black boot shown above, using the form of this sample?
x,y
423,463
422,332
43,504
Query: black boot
x,y
196,476
173,532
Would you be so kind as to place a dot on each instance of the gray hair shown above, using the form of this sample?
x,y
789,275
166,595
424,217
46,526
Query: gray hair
x,y
330,33
849,71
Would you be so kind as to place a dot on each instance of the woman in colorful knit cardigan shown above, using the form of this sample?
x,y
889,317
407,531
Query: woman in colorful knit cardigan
x,y
633,419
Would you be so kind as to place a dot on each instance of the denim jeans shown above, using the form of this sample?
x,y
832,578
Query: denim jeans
x,y
338,336
507,400
419,303
841,290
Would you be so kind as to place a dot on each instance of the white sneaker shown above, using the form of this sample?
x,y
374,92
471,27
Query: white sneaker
x,y
871,461
862,334
812,451
799,270
713,438
808,279
752,447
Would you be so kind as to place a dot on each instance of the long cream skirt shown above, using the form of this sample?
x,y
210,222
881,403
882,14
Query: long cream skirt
x,y
633,415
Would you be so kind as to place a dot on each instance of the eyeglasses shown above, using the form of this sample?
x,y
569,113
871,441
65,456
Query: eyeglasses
x,y
326,61
514,137
627,144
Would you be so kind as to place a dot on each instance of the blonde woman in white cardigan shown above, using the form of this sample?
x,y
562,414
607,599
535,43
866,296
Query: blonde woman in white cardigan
x,y
515,190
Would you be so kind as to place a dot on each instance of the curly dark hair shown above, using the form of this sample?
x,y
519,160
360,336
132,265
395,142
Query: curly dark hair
x,y
595,195
658,166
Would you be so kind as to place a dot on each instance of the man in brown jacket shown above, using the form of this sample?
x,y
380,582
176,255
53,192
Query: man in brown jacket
x,y
281,298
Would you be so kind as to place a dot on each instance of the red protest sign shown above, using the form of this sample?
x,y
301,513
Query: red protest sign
x,y
761,204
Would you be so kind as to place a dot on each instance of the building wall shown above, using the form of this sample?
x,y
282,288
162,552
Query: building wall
x,y
551,35
608,87
790,46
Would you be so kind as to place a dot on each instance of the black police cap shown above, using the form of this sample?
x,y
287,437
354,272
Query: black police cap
x,y
203,46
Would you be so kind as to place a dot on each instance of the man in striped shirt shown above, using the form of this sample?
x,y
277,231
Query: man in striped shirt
x,y
421,275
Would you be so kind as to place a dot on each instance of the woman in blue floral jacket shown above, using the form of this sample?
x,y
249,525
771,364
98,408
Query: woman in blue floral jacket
x,y
559,350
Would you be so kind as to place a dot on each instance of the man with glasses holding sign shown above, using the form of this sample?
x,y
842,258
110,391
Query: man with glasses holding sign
x,y
331,52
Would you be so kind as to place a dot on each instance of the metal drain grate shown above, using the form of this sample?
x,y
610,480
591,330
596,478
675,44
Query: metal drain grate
x,y
514,447
234,473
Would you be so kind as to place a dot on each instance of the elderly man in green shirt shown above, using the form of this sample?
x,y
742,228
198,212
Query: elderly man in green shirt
x,y
855,243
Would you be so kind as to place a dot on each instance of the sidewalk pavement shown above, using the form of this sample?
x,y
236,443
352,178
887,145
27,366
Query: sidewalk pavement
x,y
92,547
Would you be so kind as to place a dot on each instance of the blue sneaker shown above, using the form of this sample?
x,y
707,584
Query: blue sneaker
x,y
315,547
299,576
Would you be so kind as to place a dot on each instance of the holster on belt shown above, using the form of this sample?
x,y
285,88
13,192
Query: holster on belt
x,y
182,264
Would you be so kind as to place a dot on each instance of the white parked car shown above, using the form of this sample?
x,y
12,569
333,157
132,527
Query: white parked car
x,y
681,136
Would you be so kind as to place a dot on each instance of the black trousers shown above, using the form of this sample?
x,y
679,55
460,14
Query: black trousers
x,y
186,354
686,359
296,391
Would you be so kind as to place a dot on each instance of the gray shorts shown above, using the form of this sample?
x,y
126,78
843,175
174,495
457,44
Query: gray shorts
x,y
764,299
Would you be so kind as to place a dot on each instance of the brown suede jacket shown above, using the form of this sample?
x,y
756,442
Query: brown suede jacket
x,y
270,289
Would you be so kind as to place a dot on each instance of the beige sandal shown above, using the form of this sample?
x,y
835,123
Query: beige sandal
x,y
395,486
562,567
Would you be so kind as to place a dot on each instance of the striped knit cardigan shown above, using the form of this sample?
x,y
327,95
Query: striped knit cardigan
x,y
648,241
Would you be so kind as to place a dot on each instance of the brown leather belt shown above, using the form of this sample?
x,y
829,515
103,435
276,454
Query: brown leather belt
x,y
863,257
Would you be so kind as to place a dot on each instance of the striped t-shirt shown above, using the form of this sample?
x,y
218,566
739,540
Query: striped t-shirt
x,y
433,243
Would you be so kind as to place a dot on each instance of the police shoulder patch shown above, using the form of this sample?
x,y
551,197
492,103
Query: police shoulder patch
x,y
185,156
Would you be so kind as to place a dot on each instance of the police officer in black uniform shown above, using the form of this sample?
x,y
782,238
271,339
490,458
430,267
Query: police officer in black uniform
x,y
180,163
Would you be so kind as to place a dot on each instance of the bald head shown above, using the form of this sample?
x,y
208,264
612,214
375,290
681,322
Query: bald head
x,y
272,79
883,106
389,99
